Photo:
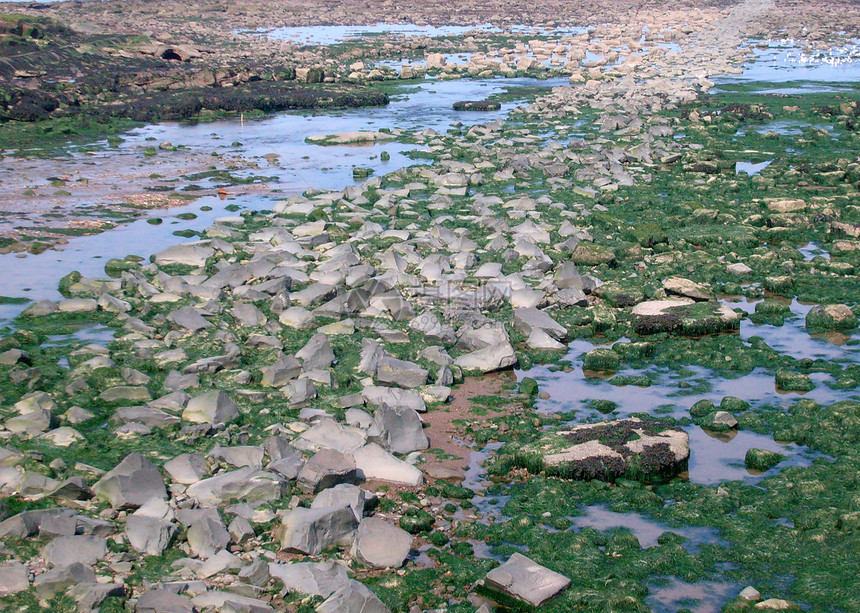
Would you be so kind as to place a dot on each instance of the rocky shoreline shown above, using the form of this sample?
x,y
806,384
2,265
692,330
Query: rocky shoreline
x,y
312,407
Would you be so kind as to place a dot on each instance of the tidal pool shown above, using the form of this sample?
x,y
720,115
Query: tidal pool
x,y
277,144
671,594
646,530
782,61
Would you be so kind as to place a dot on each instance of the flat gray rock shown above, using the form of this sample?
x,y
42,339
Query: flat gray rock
x,y
60,579
525,580
65,550
14,579
163,601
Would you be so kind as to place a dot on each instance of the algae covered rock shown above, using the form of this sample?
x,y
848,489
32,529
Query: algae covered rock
x,y
601,359
684,316
762,459
642,450
830,317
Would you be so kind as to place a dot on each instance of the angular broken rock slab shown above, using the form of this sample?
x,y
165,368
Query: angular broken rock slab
x,y
131,483
488,359
379,544
310,531
212,408
373,462
66,550
248,484
353,597
400,429
325,469
311,578
163,601
525,580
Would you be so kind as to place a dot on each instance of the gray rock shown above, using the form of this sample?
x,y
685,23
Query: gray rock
x,y
186,468
65,550
373,462
488,359
149,535
525,580
311,578
281,372
60,579
526,321
73,488
328,434
400,429
240,530
400,372
131,483
163,601
317,353
300,391
310,531
189,318
239,456
247,314
256,572
326,468
379,544
213,407
247,484
354,597
152,418
189,254
219,563
230,603
357,499
377,395
13,578
207,536
91,595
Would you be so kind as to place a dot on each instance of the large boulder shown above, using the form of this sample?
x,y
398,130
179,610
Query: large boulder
x,y
189,254
14,578
149,535
400,372
528,320
131,483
